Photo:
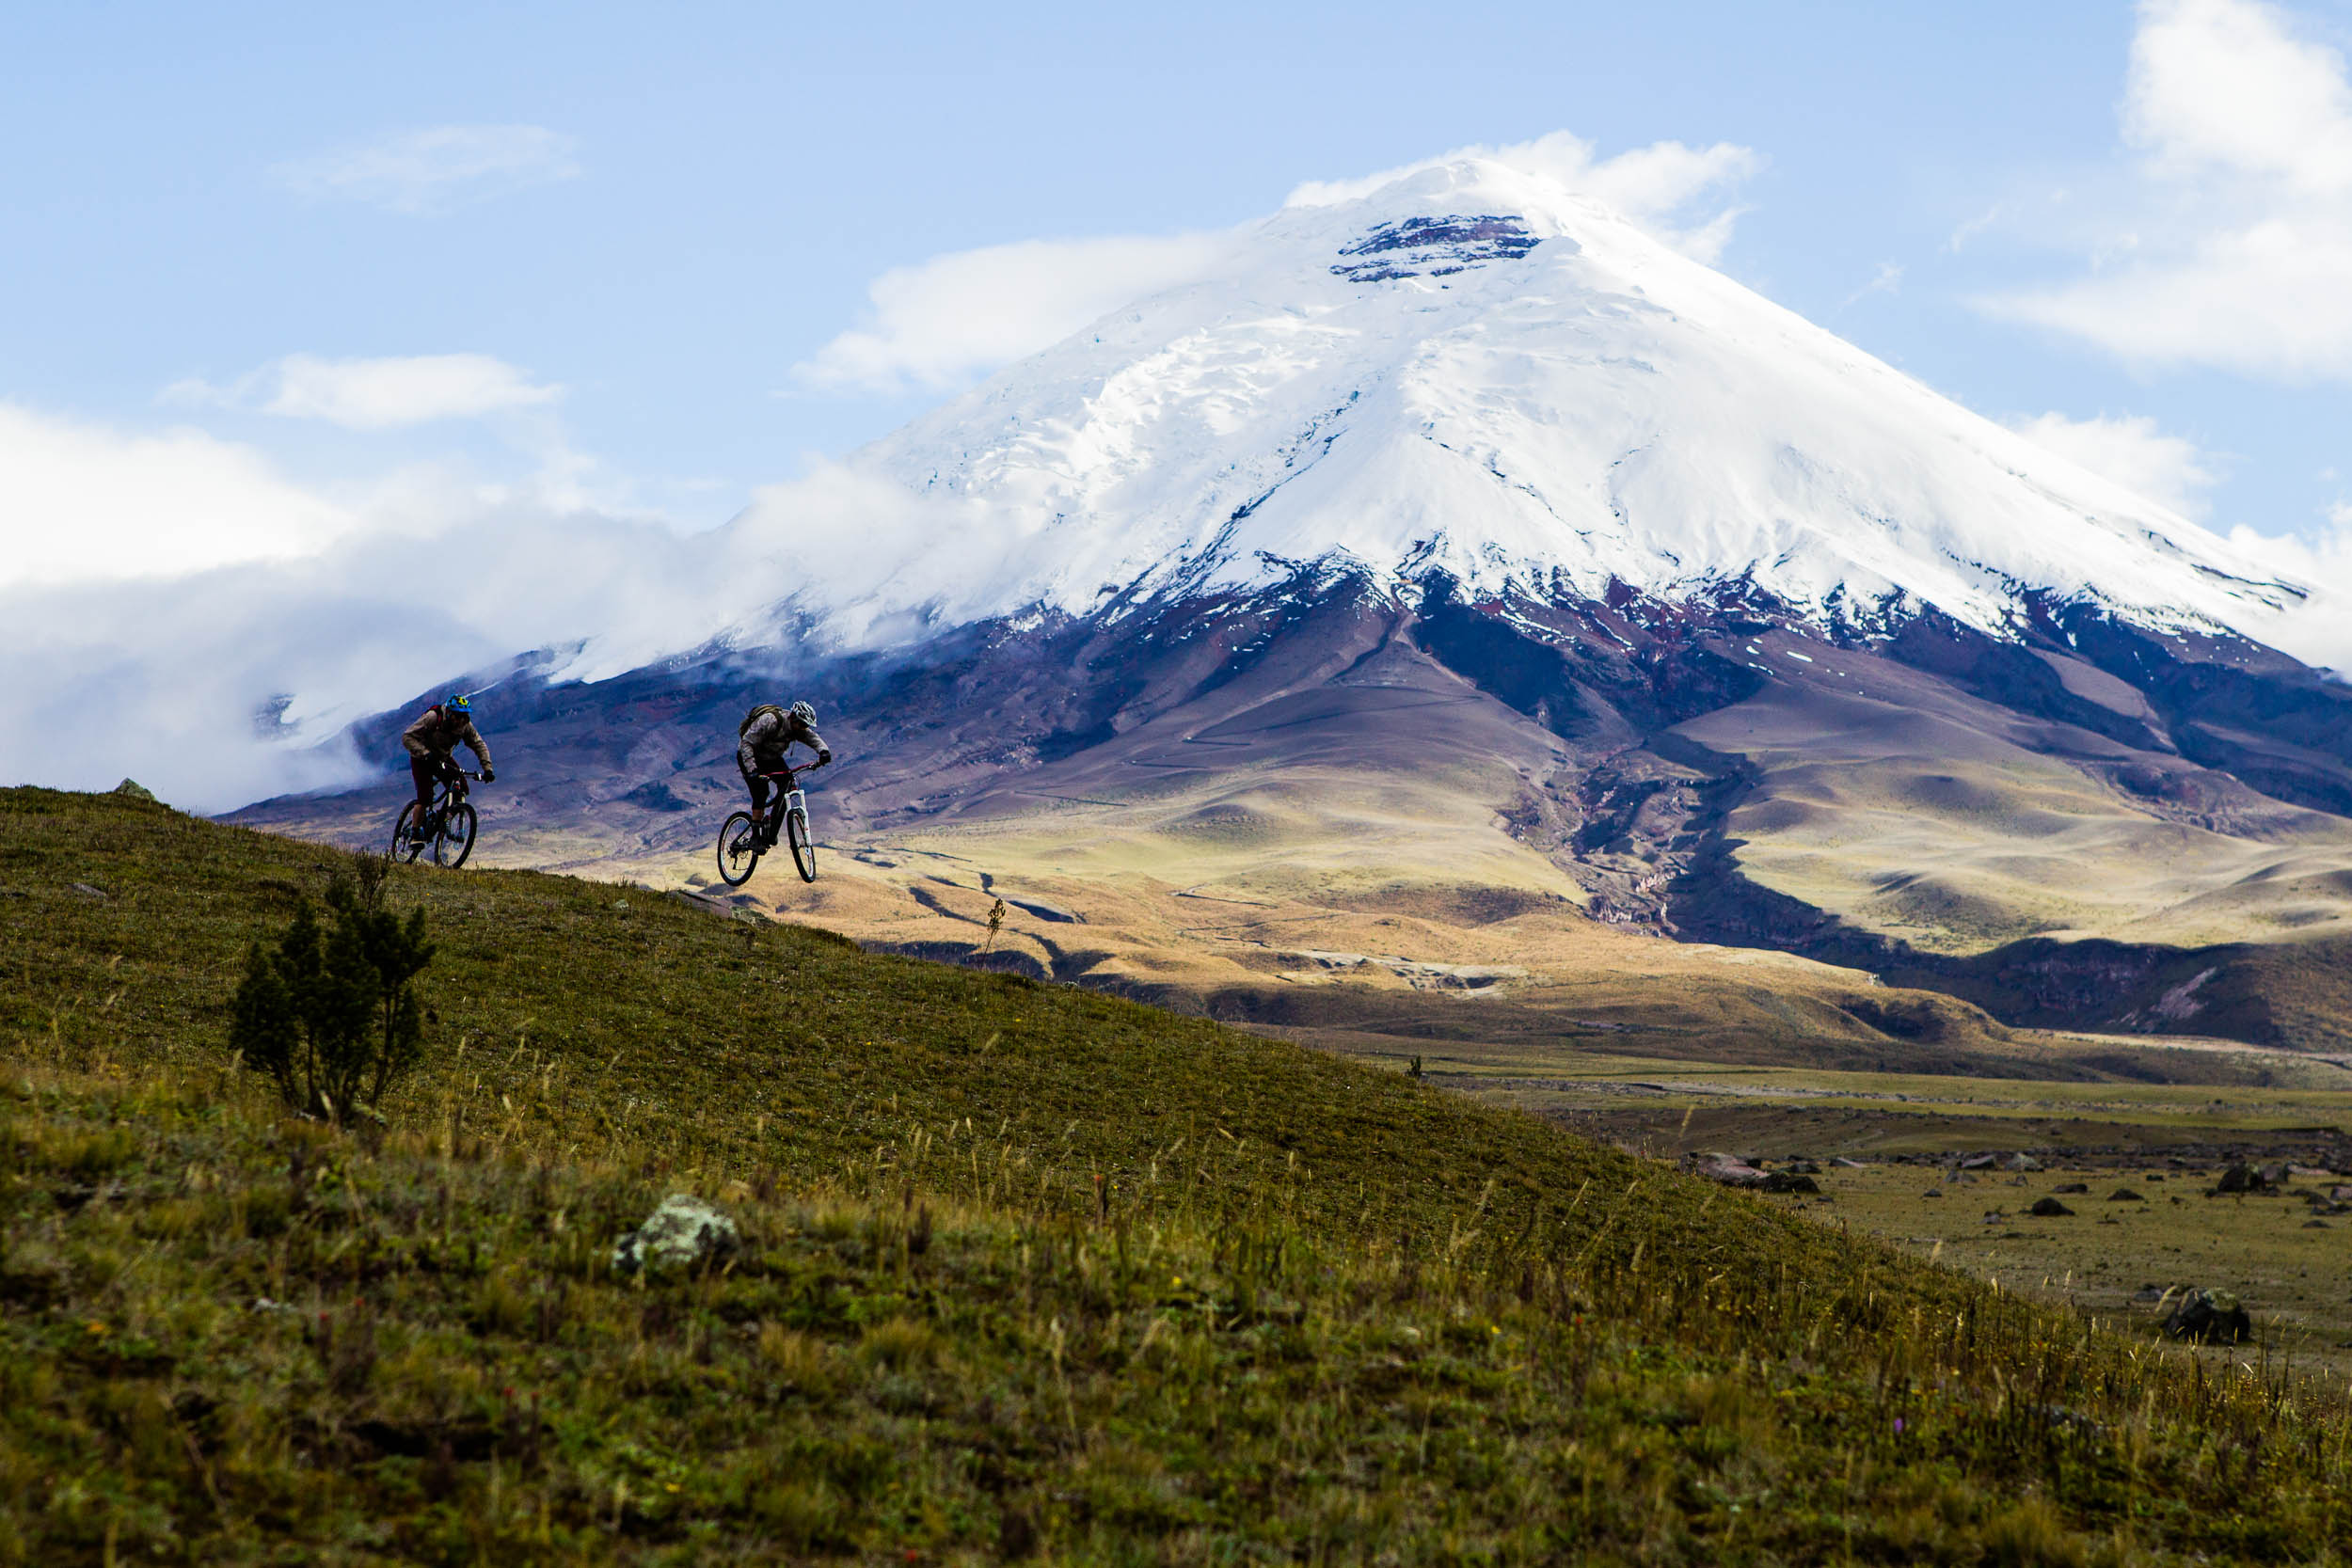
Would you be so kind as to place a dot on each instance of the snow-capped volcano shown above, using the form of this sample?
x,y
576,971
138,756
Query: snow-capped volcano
x,y
1475,370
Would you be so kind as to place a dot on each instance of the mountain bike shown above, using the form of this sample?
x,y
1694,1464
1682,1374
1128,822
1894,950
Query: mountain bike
x,y
742,841
449,825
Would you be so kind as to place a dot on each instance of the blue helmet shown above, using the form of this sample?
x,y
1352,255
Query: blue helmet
x,y
457,702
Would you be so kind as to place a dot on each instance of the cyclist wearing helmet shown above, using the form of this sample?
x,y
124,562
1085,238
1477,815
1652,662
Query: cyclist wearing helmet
x,y
432,745
767,732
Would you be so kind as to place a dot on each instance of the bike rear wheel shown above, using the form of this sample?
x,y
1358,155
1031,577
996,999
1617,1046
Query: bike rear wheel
x,y
455,840
803,851
738,849
402,849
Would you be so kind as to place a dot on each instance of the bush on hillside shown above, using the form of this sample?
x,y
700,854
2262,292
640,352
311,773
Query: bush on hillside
x,y
332,1014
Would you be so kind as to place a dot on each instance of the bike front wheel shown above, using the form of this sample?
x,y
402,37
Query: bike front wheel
x,y
455,840
803,851
403,848
738,849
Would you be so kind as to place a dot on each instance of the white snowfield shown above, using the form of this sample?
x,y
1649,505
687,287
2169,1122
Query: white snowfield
x,y
1474,369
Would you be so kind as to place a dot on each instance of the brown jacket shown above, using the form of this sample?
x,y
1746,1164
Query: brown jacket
x,y
435,736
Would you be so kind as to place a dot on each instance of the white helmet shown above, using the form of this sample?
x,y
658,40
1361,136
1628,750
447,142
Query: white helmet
x,y
804,713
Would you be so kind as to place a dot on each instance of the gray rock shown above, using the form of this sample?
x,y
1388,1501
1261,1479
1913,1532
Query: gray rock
x,y
1732,1172
2071,1187
2209,1317
2048,1208
134,789
88,891
2124,1195
2021,1161
683,1233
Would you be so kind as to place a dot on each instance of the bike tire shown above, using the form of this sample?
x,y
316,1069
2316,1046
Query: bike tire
x,y
402,850
454,842
803,851
738,849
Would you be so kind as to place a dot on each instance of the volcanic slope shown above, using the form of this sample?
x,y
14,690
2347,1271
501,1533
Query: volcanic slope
x,y
1025,1270
1708,623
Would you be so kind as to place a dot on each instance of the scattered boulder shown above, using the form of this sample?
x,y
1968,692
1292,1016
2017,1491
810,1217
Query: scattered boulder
x,y
2124,1195
1979,1161
1729,1169
1932,1191
2275,1173
86,891
1802,1168
2316,1224
2048,1206
2021,1161
2209,1317
134,789
682,1233
2072,1187
1844,1163
2240,1177
1790,1181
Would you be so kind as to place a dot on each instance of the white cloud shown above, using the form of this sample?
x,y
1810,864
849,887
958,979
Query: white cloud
x,y
942,321
376,394
437,169
2235,245
1887,280
2132,451
81,501
1656,187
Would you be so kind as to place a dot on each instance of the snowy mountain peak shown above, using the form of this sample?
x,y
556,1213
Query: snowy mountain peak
x,y
1478,371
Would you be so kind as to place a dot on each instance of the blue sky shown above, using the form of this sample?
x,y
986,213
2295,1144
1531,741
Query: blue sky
x,y
311,264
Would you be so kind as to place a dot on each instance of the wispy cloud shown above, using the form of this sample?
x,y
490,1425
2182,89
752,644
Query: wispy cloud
x,y
940,323
435,168
1678,193
2232,245
1887,280
374,394
2134,452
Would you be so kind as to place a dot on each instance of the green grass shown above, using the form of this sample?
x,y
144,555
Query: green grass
x,y
1027,1271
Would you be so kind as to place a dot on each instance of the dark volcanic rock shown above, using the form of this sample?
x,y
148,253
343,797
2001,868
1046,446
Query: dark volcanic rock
x,y
2048,1208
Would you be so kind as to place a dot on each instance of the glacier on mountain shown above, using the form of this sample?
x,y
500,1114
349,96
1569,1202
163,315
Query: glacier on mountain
x,y
1478,371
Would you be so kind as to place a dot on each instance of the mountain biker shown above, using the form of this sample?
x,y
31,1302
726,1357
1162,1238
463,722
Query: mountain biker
x,y
432,745
767,732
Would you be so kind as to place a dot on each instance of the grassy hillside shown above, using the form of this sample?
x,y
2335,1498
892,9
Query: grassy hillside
x,y
1028,1271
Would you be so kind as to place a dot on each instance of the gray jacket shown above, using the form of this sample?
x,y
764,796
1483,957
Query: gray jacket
x,y
771,734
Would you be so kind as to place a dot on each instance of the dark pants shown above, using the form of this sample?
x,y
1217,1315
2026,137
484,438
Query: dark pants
x,y
427,773
761,787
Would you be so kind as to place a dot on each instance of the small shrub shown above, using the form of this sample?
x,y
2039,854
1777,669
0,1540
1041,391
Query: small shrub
x,y
900,1342
333,1015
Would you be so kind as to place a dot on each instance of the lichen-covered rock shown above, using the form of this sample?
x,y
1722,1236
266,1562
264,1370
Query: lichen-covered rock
x,y
681,1234
2209,1317
134,789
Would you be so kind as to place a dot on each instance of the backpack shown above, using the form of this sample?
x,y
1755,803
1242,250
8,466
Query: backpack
x,y
753,717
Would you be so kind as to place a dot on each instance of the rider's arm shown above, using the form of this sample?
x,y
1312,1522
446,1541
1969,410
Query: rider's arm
x,y
471,738
806,734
